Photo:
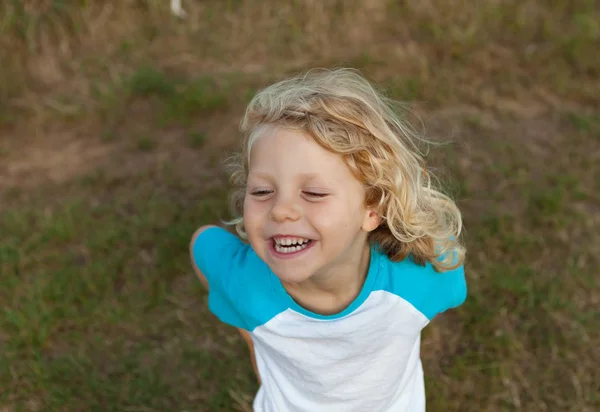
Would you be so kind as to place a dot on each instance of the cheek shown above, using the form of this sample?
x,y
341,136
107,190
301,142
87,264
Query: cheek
x,y
254,213
336,217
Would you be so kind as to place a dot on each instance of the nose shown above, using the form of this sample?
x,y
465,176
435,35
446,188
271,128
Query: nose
x,y
285,209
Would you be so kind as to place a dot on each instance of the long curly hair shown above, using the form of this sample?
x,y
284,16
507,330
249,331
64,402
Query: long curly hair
x,y
345,114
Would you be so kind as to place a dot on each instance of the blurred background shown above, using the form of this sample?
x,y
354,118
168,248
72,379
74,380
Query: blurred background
x,y
115,119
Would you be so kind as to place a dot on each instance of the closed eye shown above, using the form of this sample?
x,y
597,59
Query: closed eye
x,y
262,192
315,194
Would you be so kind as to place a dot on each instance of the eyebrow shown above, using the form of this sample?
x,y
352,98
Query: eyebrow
x,y
301,176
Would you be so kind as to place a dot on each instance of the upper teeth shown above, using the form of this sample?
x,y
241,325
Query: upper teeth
x,y
286,241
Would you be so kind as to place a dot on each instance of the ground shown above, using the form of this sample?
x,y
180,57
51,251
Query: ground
x,y
115,119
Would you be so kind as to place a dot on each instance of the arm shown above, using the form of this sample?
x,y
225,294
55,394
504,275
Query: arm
x,y
203,280
196,270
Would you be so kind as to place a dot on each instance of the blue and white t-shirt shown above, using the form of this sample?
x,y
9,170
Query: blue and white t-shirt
x,y
365,358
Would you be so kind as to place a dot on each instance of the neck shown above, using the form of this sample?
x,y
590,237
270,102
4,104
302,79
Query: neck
x,y
333,290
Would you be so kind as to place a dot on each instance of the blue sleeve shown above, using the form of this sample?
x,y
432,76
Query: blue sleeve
x,y
219,255
440,291
430,292
451,290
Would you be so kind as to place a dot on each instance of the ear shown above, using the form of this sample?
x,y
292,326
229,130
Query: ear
x,y
371,221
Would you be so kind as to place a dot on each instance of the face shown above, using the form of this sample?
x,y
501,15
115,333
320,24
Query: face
x,y
304,209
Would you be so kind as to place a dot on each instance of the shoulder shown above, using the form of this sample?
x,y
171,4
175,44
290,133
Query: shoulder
x,y
213,236
216,249
230,266
429,291
240,283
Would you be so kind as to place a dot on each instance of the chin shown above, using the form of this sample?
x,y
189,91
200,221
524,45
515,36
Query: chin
x,y
291,276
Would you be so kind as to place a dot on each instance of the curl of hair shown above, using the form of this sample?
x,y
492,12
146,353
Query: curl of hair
x,y
344,114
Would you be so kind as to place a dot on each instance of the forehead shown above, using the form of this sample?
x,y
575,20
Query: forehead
x,y
283,150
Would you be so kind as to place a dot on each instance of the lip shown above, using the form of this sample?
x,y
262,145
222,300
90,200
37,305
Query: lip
x,y
288,235
286,256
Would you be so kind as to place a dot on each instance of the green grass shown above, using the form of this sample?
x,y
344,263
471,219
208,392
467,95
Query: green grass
x,y
168,100
198,97
588,124
196,139
145,143
90,323
181,100
173,99
148,81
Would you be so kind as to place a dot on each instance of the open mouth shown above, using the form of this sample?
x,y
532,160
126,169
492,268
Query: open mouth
x,y
288,245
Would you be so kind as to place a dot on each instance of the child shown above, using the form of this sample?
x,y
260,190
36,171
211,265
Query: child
x,y
351,252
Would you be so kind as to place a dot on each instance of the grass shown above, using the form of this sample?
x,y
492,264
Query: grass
x,y
197,139
100,310
588,124
147,81
448,49
172,99
145,143
117,325
181,100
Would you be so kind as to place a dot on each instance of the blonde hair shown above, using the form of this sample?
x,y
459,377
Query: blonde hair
x,y
344,114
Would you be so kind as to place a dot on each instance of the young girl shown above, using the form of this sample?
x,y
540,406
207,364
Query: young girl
x,y
351,252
